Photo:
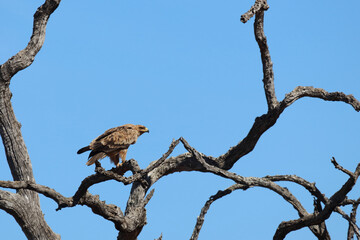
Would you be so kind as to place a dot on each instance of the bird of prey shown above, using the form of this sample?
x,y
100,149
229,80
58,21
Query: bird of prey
x,y
113,143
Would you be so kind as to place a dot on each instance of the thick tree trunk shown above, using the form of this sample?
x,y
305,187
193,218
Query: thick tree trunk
x,y
25,205
15,149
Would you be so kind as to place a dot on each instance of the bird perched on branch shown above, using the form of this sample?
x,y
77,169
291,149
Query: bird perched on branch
x,y
113,143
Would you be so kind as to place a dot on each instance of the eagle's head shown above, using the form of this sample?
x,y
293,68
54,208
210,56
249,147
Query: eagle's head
x,y
142,129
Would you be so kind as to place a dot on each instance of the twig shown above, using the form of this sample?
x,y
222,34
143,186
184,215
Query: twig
x,y
339,167
160,238
148,197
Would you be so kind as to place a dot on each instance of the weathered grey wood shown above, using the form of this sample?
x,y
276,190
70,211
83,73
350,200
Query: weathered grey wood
x,y
24,206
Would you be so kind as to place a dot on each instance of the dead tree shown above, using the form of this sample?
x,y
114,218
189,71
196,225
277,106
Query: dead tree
x,y
24,204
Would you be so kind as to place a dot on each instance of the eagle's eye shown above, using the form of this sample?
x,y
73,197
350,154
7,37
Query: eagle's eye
x,y
144,129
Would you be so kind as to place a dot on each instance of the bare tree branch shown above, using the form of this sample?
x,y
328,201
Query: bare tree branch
x,y
339,167
46,191
107,211
25,57
266,121
267,64
353,228
300,92
314,219
213,198
313,190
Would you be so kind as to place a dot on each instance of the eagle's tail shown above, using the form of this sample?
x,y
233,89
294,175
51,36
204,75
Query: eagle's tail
x,y
84,149
95,157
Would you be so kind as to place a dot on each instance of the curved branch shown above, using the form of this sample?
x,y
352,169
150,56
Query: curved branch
x,y
25,57
213,198
46,191
311,187
300,92
266,121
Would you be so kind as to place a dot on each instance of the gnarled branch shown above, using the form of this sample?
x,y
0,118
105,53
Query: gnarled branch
x,y
316,218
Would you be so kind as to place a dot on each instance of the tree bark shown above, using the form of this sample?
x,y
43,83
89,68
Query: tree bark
x,y
24,206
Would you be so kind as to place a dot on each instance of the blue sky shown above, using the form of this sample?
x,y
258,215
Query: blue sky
x,y
192,69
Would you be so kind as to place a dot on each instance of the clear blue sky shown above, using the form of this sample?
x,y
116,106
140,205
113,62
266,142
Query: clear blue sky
x,y
192,69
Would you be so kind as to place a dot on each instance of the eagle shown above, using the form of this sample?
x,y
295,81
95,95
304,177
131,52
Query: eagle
x,y
113,143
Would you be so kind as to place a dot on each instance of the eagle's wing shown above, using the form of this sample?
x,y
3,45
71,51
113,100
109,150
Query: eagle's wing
x,y
115,139
106,133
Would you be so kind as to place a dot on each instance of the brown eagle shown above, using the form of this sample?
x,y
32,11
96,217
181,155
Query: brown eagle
x,y
113,143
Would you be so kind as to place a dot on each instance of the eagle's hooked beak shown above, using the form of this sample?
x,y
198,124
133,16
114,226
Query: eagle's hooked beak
x,y
146,130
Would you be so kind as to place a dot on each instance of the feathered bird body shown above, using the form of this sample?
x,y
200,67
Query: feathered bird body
x,y
113,143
